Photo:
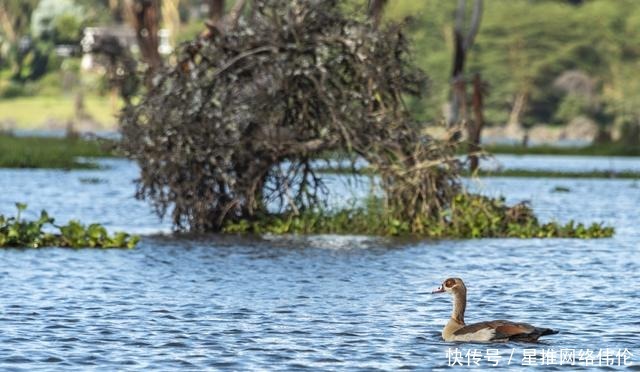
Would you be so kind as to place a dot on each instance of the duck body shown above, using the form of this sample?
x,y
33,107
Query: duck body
x,y
493,331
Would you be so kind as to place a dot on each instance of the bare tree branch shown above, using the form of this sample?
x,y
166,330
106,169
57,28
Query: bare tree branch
x,y
476,17
216,10
460,16
462,44
375,10
231,19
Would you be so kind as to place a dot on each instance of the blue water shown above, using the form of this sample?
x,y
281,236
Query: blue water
x,y
317,303
563,163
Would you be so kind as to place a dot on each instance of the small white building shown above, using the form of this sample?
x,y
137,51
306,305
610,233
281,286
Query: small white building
x,y
127,37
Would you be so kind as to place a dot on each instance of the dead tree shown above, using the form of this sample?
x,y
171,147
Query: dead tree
x,y
458,106
236,133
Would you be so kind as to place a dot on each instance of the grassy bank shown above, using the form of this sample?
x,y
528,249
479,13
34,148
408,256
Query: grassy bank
x,y
49,152
592,150
33,112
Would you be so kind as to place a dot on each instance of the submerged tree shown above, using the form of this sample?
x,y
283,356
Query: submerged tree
x,y
235,127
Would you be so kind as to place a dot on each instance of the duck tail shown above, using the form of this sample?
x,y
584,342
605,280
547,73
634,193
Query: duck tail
x,y
548,331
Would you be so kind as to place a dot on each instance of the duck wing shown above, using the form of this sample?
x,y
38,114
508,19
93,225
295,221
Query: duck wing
x,y
502,330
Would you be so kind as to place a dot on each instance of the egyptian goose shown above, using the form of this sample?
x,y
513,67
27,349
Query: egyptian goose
x,y
493,331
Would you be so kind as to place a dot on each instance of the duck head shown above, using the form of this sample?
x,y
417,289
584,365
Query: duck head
x,y
451,286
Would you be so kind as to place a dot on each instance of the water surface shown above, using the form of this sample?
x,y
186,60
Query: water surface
x,y
323,302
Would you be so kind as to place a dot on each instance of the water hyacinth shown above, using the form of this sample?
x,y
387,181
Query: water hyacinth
x,y
17,232
469,216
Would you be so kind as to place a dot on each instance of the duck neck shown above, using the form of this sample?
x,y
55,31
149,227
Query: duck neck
x,y
459,305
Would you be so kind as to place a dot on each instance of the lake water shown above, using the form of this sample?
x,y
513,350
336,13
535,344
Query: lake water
x,y
317,303
563,163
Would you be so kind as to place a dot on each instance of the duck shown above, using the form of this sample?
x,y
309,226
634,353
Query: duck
x,y
456,330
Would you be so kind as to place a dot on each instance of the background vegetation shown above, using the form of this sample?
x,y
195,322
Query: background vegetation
x,y
523,48
211,141
51,152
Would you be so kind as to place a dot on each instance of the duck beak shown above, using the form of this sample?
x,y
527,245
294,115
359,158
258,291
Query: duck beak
x,y
438,290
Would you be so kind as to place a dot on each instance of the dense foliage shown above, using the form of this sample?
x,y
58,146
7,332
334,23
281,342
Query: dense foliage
x,y
524,46
234,127
16,232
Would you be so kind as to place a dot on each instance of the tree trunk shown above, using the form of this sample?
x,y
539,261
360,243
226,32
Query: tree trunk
x,y
7,26
519,105
218,22
145,20
458,90
375,10
462,44
475,127
216,10
459,101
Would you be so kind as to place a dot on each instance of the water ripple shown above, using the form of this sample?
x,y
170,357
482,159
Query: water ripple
x,y
317,303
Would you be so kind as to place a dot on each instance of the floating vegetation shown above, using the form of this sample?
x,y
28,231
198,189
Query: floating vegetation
x,y
469,216
561,189
92,180
16,232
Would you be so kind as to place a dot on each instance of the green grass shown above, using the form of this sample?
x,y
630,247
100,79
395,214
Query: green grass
x,y
32,112
591,150
48,152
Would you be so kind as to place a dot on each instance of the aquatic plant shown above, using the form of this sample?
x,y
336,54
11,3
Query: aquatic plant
x,y
468,216
17,232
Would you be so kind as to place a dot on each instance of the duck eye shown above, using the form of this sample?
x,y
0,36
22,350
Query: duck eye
x,y
449,283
